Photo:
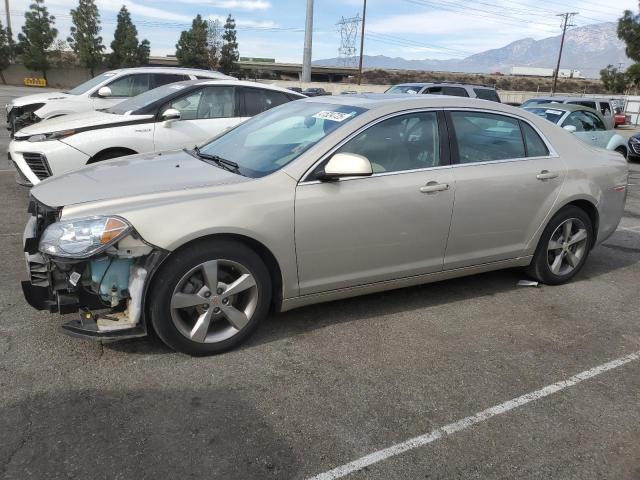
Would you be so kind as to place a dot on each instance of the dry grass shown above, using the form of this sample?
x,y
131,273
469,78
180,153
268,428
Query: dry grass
x,y
502,82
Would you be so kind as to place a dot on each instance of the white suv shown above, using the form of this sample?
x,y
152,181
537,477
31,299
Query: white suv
x,y
102,91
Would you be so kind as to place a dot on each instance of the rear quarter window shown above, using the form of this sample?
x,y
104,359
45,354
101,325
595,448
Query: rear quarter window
x,y
486,94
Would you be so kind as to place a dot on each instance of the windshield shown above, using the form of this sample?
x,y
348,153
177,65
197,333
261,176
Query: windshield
x,y
276,137
89,84
404,89
549,113
144,99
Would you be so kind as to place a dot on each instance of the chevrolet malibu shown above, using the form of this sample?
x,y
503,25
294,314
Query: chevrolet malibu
x,y
315,200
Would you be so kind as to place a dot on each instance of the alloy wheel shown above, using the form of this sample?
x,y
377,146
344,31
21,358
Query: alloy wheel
x,y
214,301
567,246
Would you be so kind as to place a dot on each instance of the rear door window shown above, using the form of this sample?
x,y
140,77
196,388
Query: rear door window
x,y
605,109
258,100
484,137
455,91
159,79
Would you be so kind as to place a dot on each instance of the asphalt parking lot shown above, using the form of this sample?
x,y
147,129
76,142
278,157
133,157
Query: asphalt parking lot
x,y
322,386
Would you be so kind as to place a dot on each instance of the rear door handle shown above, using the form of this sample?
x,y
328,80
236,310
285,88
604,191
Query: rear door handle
x,y
546,175
433,187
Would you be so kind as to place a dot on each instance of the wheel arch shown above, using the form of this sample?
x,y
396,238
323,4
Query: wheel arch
x,y
96,158
586,205
267,256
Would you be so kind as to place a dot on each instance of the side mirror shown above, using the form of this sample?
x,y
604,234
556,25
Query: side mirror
x,y
104,92
170,115
570,128
346,165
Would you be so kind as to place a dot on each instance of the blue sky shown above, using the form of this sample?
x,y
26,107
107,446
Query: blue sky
x,y
413,29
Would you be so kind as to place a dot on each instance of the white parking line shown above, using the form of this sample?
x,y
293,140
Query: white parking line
x,y
467,422
9,234
630,229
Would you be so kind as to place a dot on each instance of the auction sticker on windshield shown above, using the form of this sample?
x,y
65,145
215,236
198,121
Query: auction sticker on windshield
x,y
334,116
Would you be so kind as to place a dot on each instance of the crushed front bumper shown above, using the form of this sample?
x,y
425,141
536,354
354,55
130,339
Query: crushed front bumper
x,y
51,287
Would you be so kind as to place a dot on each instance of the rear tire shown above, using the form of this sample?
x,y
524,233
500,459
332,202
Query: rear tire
x,y
209,297
563,247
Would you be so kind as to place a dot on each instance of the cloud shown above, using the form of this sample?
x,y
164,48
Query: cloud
x,y
232,4
246,23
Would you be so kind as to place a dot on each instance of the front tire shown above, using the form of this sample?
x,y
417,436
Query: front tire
x,y
209,297
622,151
563,247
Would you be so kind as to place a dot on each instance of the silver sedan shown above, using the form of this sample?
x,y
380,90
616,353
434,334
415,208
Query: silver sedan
x,y
316,200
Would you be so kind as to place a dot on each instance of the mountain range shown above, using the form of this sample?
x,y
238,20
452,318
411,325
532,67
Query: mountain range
x,y
588,49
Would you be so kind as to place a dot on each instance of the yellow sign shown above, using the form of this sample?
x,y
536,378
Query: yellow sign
x,y
35,82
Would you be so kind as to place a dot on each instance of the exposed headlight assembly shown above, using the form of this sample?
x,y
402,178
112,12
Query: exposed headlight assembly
x,y
42,137
634,140
82,238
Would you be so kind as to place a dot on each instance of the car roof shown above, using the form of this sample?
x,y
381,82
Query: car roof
x,y
177,70
570,98
372,101
239,83
455,84
565,107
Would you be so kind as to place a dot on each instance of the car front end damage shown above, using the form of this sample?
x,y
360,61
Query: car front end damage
x,y
19,117
98,267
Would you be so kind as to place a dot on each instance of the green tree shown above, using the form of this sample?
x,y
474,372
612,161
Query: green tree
x,y
229,53
629,32
7,50
633,75
191,49
84,39
126,50
614,81
37,36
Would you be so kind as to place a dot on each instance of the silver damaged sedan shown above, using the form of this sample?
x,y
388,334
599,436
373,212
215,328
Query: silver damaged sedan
x,y
315,200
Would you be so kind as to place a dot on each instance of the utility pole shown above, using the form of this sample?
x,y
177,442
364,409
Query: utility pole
x,y
364,16
308,36
6,9
565,23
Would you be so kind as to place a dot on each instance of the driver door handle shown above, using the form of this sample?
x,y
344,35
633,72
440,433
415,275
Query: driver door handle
x,y
546,175
433,187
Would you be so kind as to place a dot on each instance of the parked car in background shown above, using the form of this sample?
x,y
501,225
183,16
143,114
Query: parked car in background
x,y
172,116
586,123
483,92
602,105
620,118
295,89
316,200
102,91
634,148
315,92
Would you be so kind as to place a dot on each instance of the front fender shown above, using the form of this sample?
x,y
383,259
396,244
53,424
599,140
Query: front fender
x,y
616,141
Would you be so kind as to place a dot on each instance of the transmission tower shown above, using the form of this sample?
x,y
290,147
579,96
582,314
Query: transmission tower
x,y
348,28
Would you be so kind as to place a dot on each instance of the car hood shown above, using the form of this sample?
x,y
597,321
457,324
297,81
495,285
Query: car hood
x,y
40,98
81,121
135,175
